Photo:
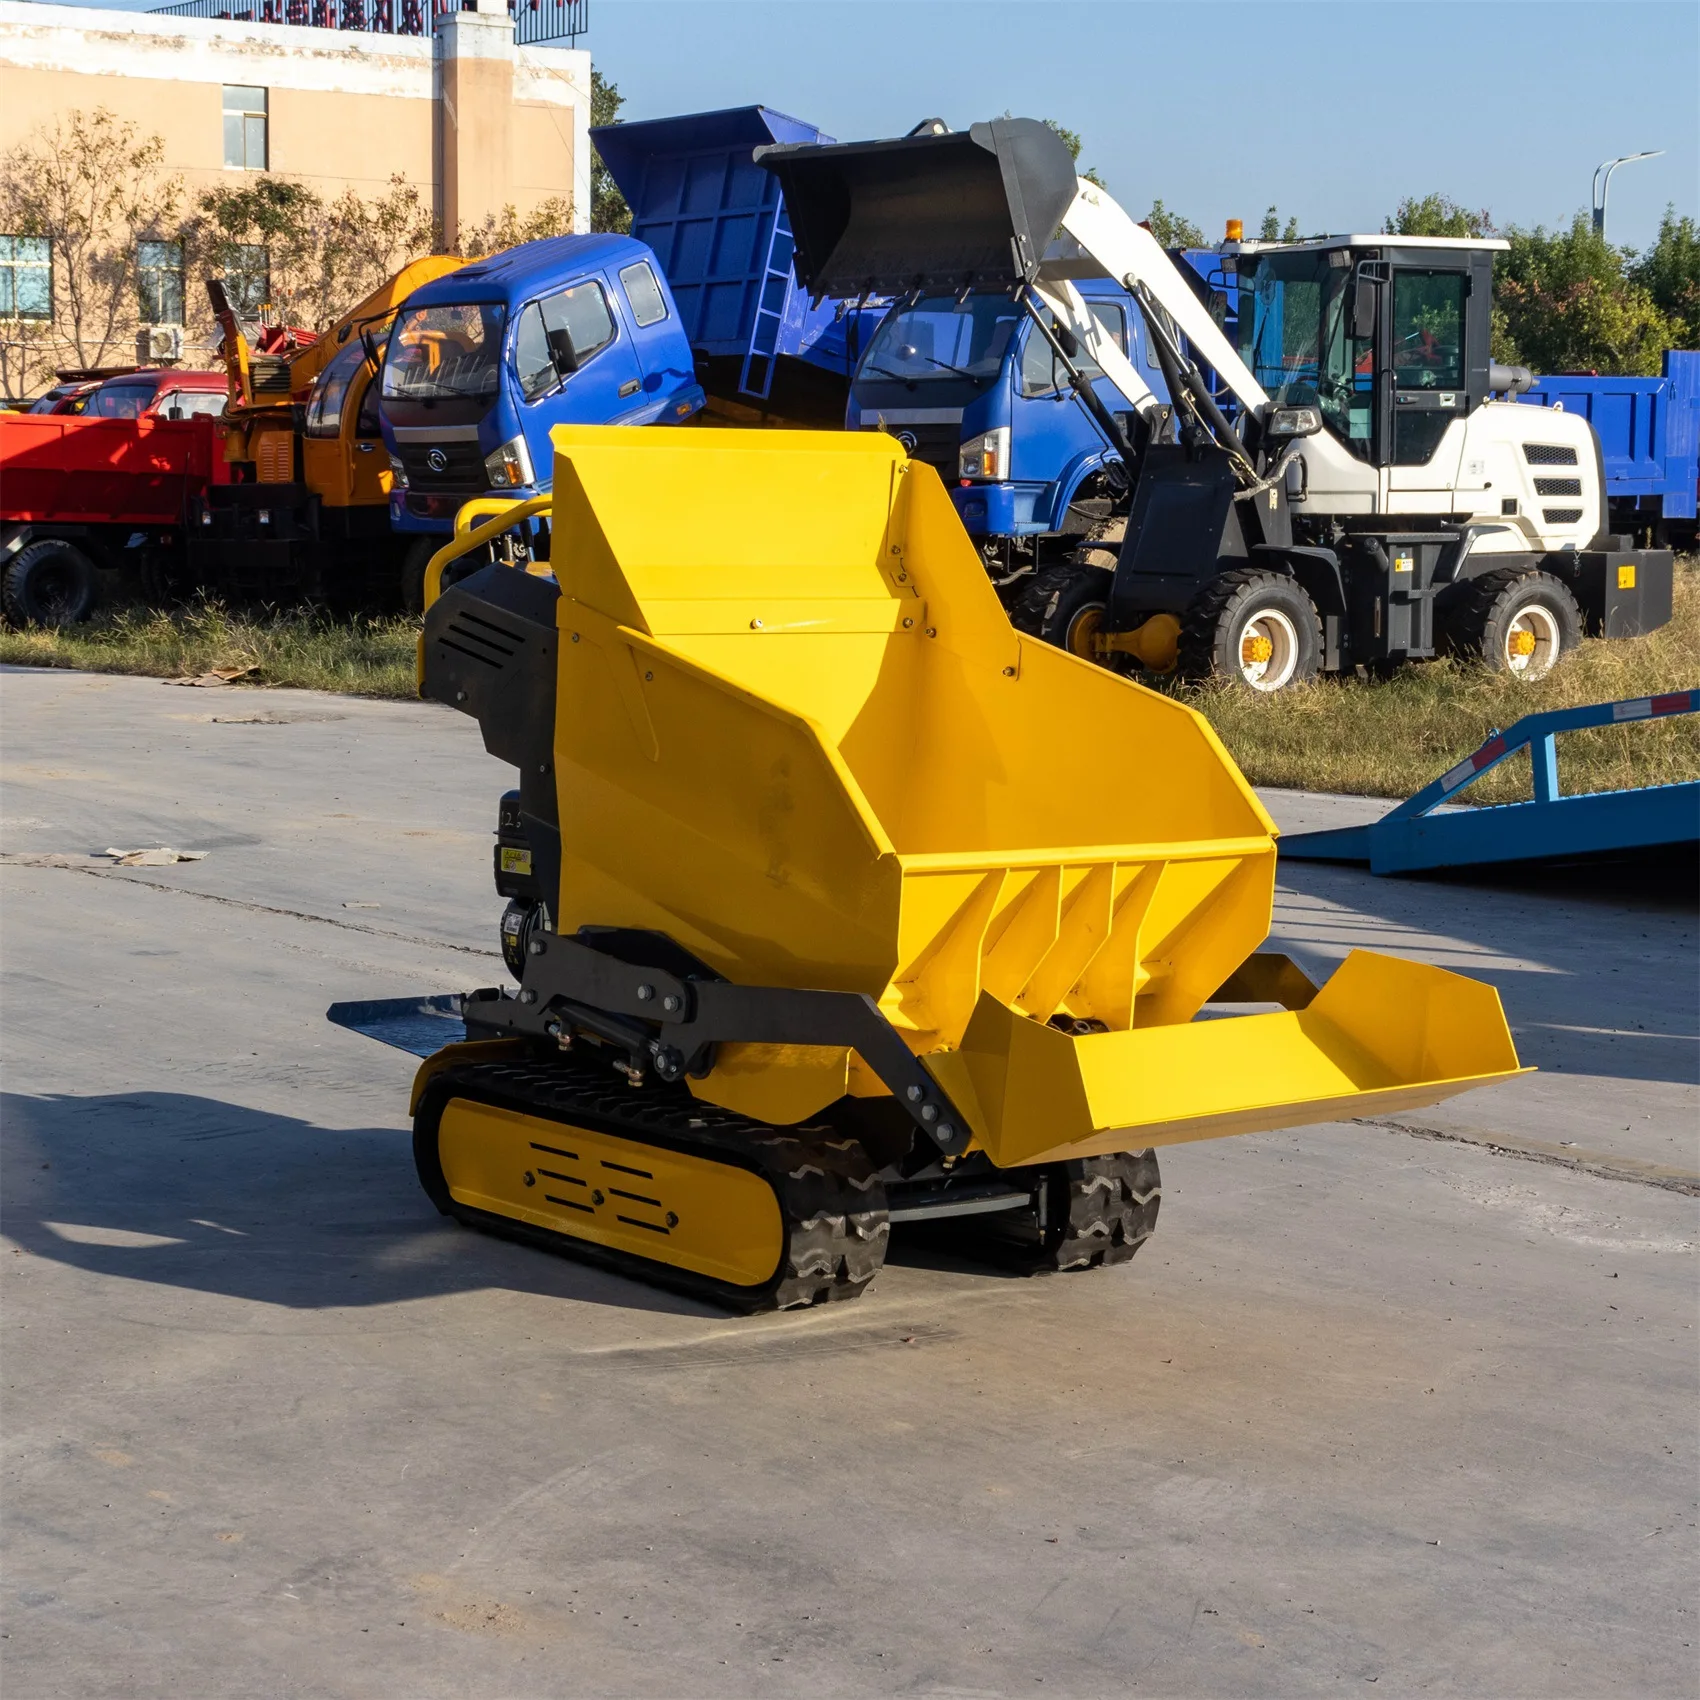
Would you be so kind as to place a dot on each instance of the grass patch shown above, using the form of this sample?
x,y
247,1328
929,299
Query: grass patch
x,y
1390,738
1383,739
303,649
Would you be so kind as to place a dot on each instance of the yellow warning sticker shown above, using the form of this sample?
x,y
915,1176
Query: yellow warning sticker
x,y
1625,578
1403,563
515,861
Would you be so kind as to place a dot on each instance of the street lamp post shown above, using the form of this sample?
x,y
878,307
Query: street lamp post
x,y
1602,183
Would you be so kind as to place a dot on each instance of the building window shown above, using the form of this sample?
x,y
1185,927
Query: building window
x,y
245,129
247,278
159,282
26,277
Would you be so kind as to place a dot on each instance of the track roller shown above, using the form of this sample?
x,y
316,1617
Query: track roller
x,y
652,1183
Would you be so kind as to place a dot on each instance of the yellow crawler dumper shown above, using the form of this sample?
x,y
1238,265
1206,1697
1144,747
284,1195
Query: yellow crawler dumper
x,y
834,902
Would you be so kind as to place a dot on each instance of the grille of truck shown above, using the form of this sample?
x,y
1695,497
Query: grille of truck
x,y
939,446
462,466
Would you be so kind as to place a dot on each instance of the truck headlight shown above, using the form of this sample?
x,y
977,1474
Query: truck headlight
x,y
986,456
509,466
398,472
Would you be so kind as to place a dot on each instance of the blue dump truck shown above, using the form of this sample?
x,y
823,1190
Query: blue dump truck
x,y
968,384
717,224
1649,432
485,362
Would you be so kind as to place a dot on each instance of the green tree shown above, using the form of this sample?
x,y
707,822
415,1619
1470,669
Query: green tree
x,y
1272,230
1171,230
1571,304
91,187
608,209
1670,273
1437,215
1074,144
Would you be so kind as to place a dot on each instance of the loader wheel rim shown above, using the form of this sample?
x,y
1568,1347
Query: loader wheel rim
x,y
1532,642
1081,637
1268,650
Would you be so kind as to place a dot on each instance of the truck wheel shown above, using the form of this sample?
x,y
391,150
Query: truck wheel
x,y
1064,606
49,583
1517,620
1257,628
413,565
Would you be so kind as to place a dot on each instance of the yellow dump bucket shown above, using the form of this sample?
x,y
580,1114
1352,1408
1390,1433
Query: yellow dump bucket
x,y
796,732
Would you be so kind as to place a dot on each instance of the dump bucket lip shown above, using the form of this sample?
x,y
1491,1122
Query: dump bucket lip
x,y
835,195
1178,850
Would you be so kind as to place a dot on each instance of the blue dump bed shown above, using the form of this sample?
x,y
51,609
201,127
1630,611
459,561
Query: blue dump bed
x,y
717,223
1649,431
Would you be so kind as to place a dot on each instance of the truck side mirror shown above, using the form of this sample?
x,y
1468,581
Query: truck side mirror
x,y
1363,309
562,352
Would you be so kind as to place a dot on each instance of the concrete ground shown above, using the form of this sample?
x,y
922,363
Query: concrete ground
x,y
1408,1405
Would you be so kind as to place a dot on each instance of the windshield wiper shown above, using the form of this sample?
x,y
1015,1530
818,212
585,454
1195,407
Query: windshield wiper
x,y
960,371
886,372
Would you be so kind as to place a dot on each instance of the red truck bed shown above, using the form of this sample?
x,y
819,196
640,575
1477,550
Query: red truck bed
x,y
62,470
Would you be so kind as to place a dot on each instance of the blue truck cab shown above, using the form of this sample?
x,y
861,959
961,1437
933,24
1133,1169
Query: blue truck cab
x,y
483,363
969,385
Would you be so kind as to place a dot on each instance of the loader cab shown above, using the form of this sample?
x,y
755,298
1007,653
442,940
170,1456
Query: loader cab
x,y
1387,337
482,364
342,446
969,385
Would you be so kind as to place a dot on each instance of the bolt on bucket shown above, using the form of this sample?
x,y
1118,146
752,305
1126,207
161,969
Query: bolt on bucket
x,y
795,732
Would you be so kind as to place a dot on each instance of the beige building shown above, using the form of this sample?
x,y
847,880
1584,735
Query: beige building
x,y
476,122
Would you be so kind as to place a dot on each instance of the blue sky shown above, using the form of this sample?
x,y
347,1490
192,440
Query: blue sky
x,y
1330,109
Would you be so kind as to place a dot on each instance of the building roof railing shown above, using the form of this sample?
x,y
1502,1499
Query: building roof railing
x,y
535,21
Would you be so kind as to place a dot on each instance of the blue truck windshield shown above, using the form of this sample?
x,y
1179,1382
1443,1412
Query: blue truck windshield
x,y
440,352
941,340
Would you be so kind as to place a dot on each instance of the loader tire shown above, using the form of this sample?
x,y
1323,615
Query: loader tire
x,y
1065,606
1253,628
832,1210
49,583
1518,621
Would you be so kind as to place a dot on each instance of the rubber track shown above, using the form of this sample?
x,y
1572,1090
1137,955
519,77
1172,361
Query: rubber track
x,y
1112,1205
830,1196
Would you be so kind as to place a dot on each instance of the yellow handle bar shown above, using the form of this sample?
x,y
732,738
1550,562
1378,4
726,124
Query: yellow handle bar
x,y
469,536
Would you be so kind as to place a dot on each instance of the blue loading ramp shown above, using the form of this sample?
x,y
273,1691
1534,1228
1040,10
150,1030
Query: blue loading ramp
x,y
1553,827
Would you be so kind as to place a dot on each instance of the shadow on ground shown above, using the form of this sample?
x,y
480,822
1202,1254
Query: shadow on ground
x,y
212,1197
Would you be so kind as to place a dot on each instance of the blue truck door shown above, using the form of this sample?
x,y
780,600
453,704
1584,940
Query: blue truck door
x,y
575,363
1049,428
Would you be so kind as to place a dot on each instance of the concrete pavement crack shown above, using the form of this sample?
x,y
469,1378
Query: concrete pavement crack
x,y
1606,1165
260,908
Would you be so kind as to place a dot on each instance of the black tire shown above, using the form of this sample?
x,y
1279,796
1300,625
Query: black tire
x,y
1232,612
1497,613
49,583
413,565
1064,606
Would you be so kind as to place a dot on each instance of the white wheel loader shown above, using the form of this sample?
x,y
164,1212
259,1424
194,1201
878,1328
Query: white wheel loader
x,y
1370,493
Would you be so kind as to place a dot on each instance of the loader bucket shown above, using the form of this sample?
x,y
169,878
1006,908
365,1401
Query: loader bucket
x,y
971,209
795,732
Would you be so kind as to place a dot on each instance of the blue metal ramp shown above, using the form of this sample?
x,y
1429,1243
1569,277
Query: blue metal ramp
x,y
1414,838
